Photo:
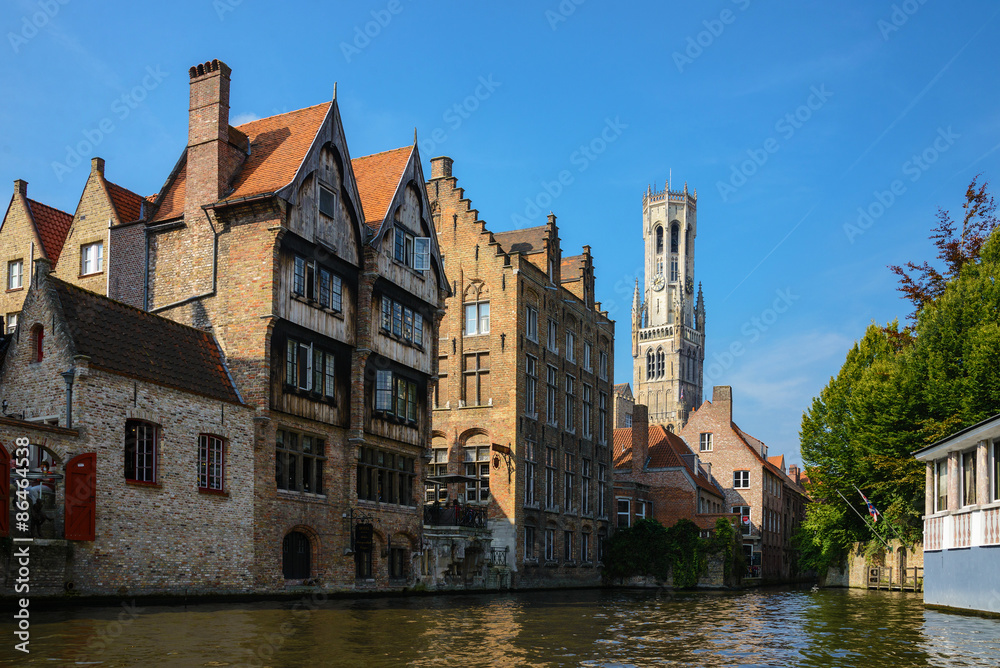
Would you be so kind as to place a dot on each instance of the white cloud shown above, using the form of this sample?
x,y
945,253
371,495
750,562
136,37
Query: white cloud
x,y
245,117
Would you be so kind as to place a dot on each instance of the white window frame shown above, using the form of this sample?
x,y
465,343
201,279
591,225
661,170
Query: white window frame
x,y
618,512
962,490
531,326
705,442
11,323
479,322
15,274
92,258
741,481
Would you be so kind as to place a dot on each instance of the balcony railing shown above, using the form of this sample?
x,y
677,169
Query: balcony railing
x,y
455,515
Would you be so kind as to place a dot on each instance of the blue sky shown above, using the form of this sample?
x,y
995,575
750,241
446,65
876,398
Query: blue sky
x,y
789,120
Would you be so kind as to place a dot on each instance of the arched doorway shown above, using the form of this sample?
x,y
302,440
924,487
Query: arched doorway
x,y
296,561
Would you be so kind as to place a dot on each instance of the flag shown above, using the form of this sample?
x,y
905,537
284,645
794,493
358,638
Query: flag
x,y
871,507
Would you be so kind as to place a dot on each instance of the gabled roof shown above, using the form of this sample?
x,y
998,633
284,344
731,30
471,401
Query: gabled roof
x,y
624,389
278,146
378,176
622,448
666,450
127,341
777,461
127,204
52,225
570,268
528,241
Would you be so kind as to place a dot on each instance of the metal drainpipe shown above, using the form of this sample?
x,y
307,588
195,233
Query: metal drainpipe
x,y
68,376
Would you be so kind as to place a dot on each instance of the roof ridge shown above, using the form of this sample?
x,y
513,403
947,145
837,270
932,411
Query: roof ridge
x,y
284,113
388,150
48,206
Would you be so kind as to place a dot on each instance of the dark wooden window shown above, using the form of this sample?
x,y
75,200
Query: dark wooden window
x,y
140,451
309,368
395,396
296,556
298,462
327,201
318,284
398,557
385,477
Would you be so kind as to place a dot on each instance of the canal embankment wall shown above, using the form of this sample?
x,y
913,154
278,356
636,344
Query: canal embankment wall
x,y
856,569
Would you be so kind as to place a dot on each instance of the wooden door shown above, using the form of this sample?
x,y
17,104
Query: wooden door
x,y
81,497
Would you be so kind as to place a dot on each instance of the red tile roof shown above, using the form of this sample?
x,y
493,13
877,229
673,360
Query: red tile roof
x,y
778,461
378,177
622,448
156,349
52,225
127,204
278,145
666,450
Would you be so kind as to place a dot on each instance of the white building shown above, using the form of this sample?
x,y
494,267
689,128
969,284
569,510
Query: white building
x,y
962,524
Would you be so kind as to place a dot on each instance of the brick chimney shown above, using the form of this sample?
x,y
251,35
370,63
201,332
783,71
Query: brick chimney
x,y
640,439
97,166
722,400
441,167
208,166
794,474
21,187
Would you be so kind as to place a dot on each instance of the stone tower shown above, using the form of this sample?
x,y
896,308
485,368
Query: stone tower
x,y
668,319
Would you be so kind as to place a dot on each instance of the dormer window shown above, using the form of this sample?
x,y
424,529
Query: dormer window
x,y
327,201
414,252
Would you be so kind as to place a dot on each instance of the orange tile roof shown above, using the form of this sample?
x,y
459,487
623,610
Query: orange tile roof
x,y
378,177
127,204
778,461
663,451
278,145
52,225
666,450
622,448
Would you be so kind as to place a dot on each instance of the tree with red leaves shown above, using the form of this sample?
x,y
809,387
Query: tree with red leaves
x,y
923,283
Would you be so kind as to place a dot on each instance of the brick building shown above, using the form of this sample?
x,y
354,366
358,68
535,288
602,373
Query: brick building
x,y
151,448
770,503
624,405
321,284
525,384
29,230
657,476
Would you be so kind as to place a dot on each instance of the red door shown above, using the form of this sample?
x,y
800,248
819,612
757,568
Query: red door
x,y
81,497
4,491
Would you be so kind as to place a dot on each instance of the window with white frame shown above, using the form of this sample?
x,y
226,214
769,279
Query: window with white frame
x,y
395,395
92,258
401,322
570,346
211,462
968,478
624,513
640,510
532,323
569,408
705,442
529,473
741,479
531,384
15,274
569,479
551,387
412,251
327,201
309,368
477,465
11,322
587,357
317,284
550,545
745,520
477,318
437,466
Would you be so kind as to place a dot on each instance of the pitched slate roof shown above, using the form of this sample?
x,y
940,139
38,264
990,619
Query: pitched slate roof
x,y
127,204
52,225
378,176
529,240
278,145
127,341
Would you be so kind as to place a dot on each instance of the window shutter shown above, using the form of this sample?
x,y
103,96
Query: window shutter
x,y
81,497
422,253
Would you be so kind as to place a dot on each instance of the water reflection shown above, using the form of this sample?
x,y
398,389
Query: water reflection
x,y
829,628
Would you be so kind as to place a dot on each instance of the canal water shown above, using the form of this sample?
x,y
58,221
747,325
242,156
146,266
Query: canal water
x,y
827,628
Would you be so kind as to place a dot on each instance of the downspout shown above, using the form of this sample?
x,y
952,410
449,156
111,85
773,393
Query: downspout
x,y
215,268
68,376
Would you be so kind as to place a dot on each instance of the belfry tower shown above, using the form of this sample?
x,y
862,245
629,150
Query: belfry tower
x,y
668,320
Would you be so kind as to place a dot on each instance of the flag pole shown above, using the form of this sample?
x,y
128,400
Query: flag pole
x,y
863,519
886,519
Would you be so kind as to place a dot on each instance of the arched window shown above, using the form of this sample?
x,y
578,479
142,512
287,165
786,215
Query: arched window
x,y
675,237
659,239
37,335
295,556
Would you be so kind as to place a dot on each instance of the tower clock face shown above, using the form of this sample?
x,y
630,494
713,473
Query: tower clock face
x,y
690,285
658,282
